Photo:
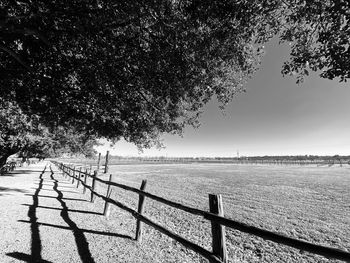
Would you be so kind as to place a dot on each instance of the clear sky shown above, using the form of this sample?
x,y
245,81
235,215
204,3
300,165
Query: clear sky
x,y
275,116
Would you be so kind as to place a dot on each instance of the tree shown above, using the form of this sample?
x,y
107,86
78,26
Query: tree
x,y
25,135
58,142
16,130
144,74
319,32
137,69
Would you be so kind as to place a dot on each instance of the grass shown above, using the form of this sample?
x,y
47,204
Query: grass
x,y
309,203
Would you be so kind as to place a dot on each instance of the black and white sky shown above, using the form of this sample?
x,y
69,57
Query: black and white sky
x,y
275,116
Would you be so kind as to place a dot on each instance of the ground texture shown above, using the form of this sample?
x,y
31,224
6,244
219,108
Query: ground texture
x,y
46,218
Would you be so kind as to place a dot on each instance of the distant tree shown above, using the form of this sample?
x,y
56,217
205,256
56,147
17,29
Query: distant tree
x,y
59,142
16,129
25,135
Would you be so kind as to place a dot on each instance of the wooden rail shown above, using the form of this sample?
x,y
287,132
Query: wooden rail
x,y
219,253
205,253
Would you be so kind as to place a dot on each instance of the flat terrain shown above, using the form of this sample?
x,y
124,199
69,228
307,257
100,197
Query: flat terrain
x,y
309,203
45,218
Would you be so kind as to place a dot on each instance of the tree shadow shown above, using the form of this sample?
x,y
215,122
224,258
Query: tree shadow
x,y
20,172
70,199
66,183
36,241
78,233
36,246
69,210
25,257
34,227
72,187
63,191
102,233
80,239
8,190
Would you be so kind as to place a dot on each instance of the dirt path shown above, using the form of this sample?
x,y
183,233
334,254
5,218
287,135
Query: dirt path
x,y
45,218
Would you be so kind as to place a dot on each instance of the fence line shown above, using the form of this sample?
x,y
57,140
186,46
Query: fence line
x,y
214,218
207,254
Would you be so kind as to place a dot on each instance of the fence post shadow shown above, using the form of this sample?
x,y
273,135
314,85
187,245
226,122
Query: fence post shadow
x,y
36,246
218,222
80,239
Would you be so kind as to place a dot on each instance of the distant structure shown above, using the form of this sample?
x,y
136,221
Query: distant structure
x,y
237,153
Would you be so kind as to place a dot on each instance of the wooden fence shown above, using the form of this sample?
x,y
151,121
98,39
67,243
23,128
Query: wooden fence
x,y
215,216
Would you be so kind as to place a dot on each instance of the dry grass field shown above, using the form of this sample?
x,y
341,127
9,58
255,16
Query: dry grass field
x,y
309,203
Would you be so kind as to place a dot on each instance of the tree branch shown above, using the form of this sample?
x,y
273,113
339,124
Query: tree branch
x,y
15,56
148,101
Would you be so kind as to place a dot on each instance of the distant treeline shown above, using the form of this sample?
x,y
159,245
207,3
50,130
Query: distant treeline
x,y
301,159
286,159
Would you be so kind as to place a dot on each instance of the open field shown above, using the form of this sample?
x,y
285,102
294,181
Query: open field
x,y
310,203
46,217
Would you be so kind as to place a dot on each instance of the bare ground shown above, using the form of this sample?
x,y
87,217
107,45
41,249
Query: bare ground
x,y
45,218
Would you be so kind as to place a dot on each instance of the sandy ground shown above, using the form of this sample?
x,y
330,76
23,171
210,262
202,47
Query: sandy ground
x,y
45,218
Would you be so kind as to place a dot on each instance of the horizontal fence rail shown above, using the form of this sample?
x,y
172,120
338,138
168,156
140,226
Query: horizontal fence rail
x,y
325,251
205,253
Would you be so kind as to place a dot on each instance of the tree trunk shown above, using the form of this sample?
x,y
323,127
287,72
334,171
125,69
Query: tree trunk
x,y
3,159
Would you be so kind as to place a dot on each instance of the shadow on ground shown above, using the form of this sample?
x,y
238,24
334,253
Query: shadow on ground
x,y
35,255
70,210
70,199
63,191
25,257
80,239
14,173
8,190
90,231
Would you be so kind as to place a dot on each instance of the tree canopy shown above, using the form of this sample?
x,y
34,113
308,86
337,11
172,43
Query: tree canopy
x,y
138,69
319,32
25,135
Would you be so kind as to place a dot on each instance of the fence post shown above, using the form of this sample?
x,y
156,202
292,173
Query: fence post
x,y
139,210
106,164
106,210
217,230
98,162
73,173
92,199
85,178
78,177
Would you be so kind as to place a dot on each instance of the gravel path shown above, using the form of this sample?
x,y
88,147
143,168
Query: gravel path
x,y
45,218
